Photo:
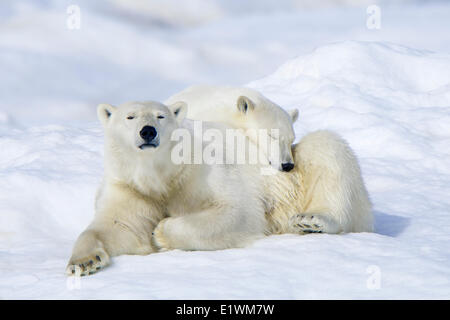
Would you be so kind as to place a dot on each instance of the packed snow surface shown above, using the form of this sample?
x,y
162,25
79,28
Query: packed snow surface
x,y
390,101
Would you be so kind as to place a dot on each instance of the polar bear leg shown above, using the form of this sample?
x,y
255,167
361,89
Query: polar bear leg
x,y
123,225
88,256
102,240
211,229
335,197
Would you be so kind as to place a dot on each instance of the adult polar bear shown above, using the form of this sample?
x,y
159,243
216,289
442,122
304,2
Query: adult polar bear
x,y
203,207
209,206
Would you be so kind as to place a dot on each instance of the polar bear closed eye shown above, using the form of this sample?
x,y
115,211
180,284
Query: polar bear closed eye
x,y
264,122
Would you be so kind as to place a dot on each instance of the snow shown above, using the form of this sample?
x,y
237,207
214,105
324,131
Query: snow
x,y
386,91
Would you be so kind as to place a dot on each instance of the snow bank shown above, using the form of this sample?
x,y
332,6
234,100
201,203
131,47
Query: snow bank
x,y
365,90
390,102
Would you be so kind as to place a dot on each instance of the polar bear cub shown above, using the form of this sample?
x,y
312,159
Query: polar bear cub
x,y
247,109
195,206
323,192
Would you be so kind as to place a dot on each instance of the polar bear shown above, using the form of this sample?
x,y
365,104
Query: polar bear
x,y
147,202
247,109
324,193
208,206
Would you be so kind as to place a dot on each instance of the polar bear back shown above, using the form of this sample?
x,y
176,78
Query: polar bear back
x,y
218,103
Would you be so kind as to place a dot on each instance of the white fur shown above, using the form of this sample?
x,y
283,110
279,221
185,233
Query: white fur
x,y
242,108
324,193
325,189
205,207
208,207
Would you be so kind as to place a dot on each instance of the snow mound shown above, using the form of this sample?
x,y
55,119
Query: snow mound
x,y
364,90
390,102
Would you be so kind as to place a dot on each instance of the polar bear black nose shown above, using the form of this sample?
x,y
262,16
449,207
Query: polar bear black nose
x,y
287,166
148,133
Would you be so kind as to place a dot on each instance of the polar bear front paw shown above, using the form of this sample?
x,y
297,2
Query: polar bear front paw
x,y
88,264
160,241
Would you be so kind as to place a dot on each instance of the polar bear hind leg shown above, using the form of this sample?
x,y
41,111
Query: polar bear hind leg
x,y
335,199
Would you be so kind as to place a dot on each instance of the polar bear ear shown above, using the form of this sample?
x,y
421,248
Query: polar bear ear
x,y
179,110
104,112
294,114
244,104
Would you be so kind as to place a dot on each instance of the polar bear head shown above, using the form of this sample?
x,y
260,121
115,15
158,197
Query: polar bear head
x,y
254,112
138,144
137,127
262,116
